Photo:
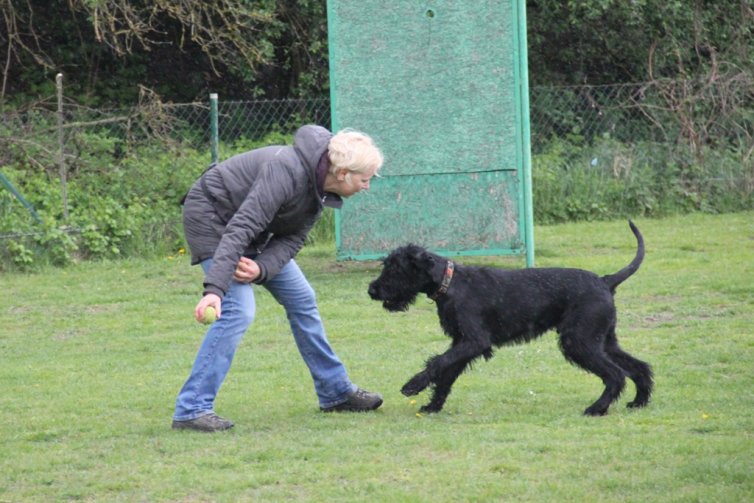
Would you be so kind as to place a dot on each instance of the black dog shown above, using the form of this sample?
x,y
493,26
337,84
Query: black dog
x,y
482,307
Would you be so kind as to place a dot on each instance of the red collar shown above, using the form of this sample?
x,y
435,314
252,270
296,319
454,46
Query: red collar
x,y
449,268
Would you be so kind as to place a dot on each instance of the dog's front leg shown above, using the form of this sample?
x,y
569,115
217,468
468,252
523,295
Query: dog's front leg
x,y
416,384
420,381
443,370
442,386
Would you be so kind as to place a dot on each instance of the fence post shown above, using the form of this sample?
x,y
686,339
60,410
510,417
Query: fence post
x,y
526,137
61,153
21,198
213,126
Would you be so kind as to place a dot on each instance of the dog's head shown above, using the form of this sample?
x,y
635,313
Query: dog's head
x,y
406,272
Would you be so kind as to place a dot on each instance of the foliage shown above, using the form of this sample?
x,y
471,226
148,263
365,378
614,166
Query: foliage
x,y
117,206
278,48
614,41
121,204
574,180
108,48
123,200
94,354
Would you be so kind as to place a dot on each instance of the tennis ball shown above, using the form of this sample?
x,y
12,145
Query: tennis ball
x,y
210,315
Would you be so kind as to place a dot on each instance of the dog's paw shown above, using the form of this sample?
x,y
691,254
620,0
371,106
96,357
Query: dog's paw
x,y
416,385
595,411
430,409
636,404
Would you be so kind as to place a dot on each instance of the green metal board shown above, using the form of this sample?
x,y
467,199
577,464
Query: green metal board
x,y
408,211
441,86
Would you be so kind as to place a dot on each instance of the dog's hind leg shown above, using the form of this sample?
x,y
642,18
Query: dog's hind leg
x,y
585,350
638,371
612,376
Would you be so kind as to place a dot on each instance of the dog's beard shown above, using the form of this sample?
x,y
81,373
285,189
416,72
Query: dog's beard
x,y
396,305
394,296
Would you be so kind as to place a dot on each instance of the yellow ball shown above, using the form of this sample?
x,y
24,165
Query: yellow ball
x,y
210,315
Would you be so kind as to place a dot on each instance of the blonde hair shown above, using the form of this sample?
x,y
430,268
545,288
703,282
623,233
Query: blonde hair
x,y
355,152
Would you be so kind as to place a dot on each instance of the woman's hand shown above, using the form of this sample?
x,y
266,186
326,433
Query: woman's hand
x,y
208,300
246,271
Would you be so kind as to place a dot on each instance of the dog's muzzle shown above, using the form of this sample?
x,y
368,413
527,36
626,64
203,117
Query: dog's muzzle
x,y
389,305
372,290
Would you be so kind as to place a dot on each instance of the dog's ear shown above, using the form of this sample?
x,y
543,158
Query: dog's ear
x,y
422,259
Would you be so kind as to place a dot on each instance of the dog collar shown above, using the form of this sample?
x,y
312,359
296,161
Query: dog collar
x,y
449,268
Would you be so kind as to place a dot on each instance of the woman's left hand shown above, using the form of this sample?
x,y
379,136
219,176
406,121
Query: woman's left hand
x,y
246,270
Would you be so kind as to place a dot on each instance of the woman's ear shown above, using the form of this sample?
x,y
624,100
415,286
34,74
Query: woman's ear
x,y
340,175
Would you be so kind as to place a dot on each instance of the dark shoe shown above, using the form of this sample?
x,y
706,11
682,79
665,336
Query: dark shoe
x,y
208,423
358,401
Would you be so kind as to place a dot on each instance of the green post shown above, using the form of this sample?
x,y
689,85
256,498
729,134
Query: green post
x,y
213,125
525,133
21,198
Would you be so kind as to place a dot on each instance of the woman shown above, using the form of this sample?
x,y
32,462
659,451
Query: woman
x,y
245,219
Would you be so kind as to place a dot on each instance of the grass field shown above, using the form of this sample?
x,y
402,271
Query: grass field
x,y
93,356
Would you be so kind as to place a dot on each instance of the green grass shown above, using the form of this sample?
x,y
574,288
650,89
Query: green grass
x,y
93,356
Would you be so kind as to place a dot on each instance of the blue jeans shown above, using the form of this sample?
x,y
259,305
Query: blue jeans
x,y
291,289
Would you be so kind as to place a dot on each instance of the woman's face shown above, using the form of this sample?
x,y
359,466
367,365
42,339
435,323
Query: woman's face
x,y
349,183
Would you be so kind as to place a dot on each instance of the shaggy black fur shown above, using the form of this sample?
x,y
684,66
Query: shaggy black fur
x,y
485,308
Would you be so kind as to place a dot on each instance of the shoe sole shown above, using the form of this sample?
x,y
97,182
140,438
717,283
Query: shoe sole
x,y
345,408
179,425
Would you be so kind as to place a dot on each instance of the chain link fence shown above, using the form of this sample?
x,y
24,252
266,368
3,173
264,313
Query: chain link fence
x,y
681,113
610,126
586,112
643,149
32,133
251,120
673,113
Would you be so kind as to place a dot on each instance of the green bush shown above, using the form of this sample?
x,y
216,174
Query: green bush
x,y
119,204
607,179
124,201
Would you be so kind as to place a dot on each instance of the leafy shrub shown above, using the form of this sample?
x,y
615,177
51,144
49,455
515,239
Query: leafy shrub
x,y
608,179
124,201
120,204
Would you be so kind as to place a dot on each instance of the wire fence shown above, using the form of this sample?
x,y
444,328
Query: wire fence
x,y
251,120
686,119
668,112
584,113
689,115
693,114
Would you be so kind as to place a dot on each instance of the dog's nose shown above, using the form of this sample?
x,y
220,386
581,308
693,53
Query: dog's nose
x,y
372,290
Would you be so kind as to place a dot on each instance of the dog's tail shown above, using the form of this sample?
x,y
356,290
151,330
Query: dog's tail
x,y
613,280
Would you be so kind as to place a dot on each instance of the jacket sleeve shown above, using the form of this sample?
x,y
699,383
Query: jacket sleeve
x,y
279,251
271,189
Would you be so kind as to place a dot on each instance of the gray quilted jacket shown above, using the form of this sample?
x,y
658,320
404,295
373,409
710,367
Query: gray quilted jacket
x,y
260,204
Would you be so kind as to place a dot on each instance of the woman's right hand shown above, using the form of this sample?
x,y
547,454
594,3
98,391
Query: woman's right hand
x,y
208,300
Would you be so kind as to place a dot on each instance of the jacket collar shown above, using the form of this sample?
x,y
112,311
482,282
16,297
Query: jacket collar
x,y
332,200
328,199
